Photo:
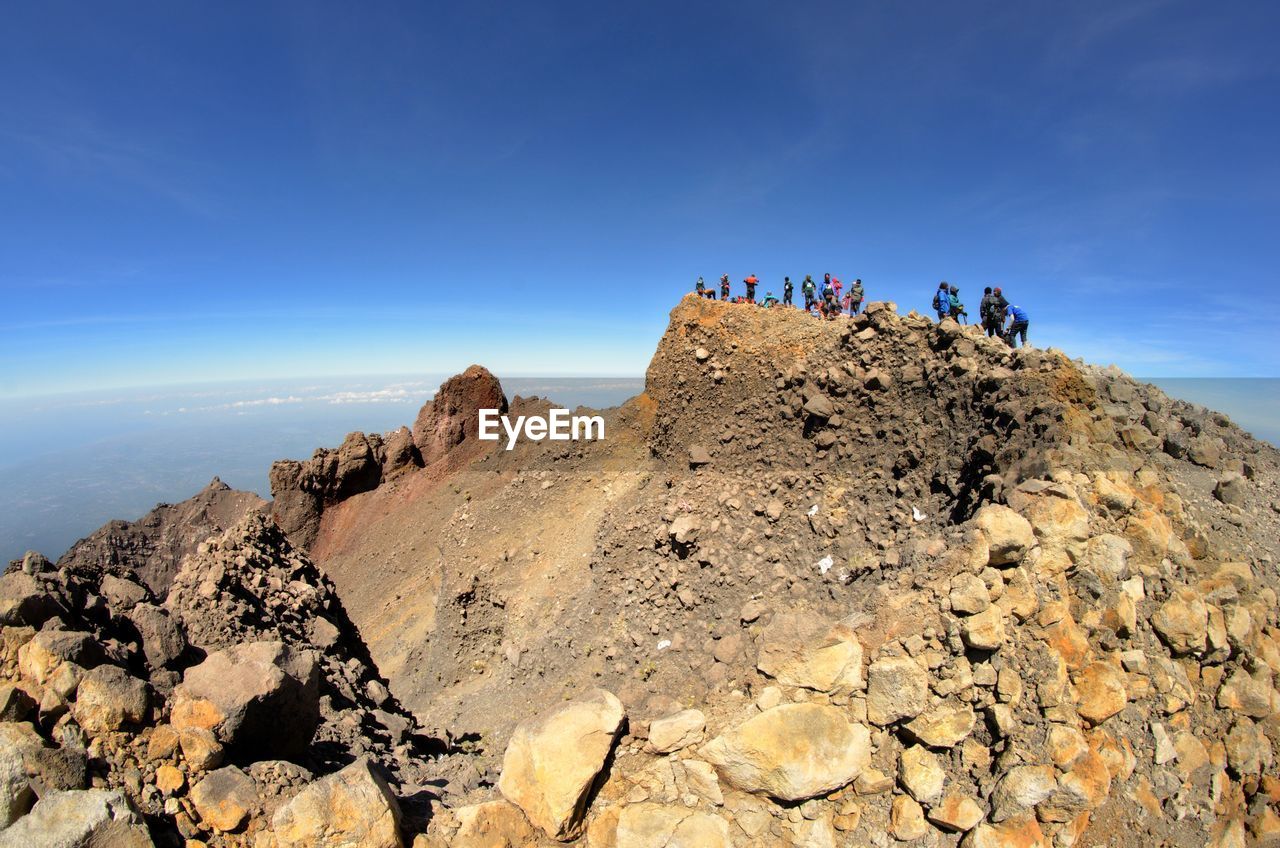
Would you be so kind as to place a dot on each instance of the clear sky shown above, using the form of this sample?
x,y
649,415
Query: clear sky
x,y
206,191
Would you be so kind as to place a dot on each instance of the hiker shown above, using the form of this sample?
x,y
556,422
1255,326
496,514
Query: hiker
x,y
830,307
787,289
701,287
989,313
957,308
751,288
807,289
1017,325
769,300
837,285
724,287
998,304
942,301
855,297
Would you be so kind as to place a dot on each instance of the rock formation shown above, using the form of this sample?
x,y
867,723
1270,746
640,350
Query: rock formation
x,y
824,584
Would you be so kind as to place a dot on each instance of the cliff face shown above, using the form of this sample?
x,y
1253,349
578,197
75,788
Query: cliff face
x,y
823,583
154,545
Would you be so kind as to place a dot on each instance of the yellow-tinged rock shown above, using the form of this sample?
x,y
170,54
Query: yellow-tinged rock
x,y
792,752
1100,692
169,779
493,824
1019,832
906,819
553,759
956,813
348,808
662,826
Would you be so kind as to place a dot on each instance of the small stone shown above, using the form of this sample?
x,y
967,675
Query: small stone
x,y
984,631
921,774
906,819
169,779
956,813
1100,692
225,798
897,688
676,731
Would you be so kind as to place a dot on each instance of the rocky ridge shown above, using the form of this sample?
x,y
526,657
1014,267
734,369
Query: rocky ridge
x,y
870,582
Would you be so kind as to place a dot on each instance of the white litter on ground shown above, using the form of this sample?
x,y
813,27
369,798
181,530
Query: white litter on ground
x,y
917,514
813,510
664,644
824,564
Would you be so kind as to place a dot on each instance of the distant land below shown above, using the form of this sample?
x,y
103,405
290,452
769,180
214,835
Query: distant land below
x,y
72,462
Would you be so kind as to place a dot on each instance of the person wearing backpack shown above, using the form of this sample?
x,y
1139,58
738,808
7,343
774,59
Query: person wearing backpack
x,y
787,289
807,288
942,301
769,300
724,286
1018,322
984,310
751,282
855,297
701,287
957,308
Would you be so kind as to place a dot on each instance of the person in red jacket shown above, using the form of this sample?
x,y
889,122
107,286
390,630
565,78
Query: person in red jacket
x,y
751,282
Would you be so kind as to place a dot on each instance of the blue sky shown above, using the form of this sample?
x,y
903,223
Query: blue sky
x,y
217,191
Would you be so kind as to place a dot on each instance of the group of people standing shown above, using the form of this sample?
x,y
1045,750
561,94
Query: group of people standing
x,y
826,304
999,317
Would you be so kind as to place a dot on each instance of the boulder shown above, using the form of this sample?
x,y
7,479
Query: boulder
x,y
47,767
660,826
1183,621
897,688
39,658
162,640
492,824
943,726
24,601
792,752
225,798
261,699
353,807
1100,692
921,774
85,818
108,699
810,652
553,759
1232,489
16,796
676,731
1009,535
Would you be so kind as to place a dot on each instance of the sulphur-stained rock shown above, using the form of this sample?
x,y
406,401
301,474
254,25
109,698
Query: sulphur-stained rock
x,y
676,731
1021,788
804,650
984,631
942,726
1249,694
1009,535
1020,832
170,779
39,658
791,752
956,813
1100,692
493,824
1061,526
200,748
921,774
1183,621
259,698
906,819
225,798
352,807
1084,786
553,759
968,594
897,688
1248,749
108,699
649,825
84,818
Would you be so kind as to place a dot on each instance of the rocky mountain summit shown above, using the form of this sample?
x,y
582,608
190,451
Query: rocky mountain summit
x,y
867,582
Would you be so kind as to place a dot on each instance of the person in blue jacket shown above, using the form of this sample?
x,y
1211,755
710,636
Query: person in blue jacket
x,y
1017,325
942,301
